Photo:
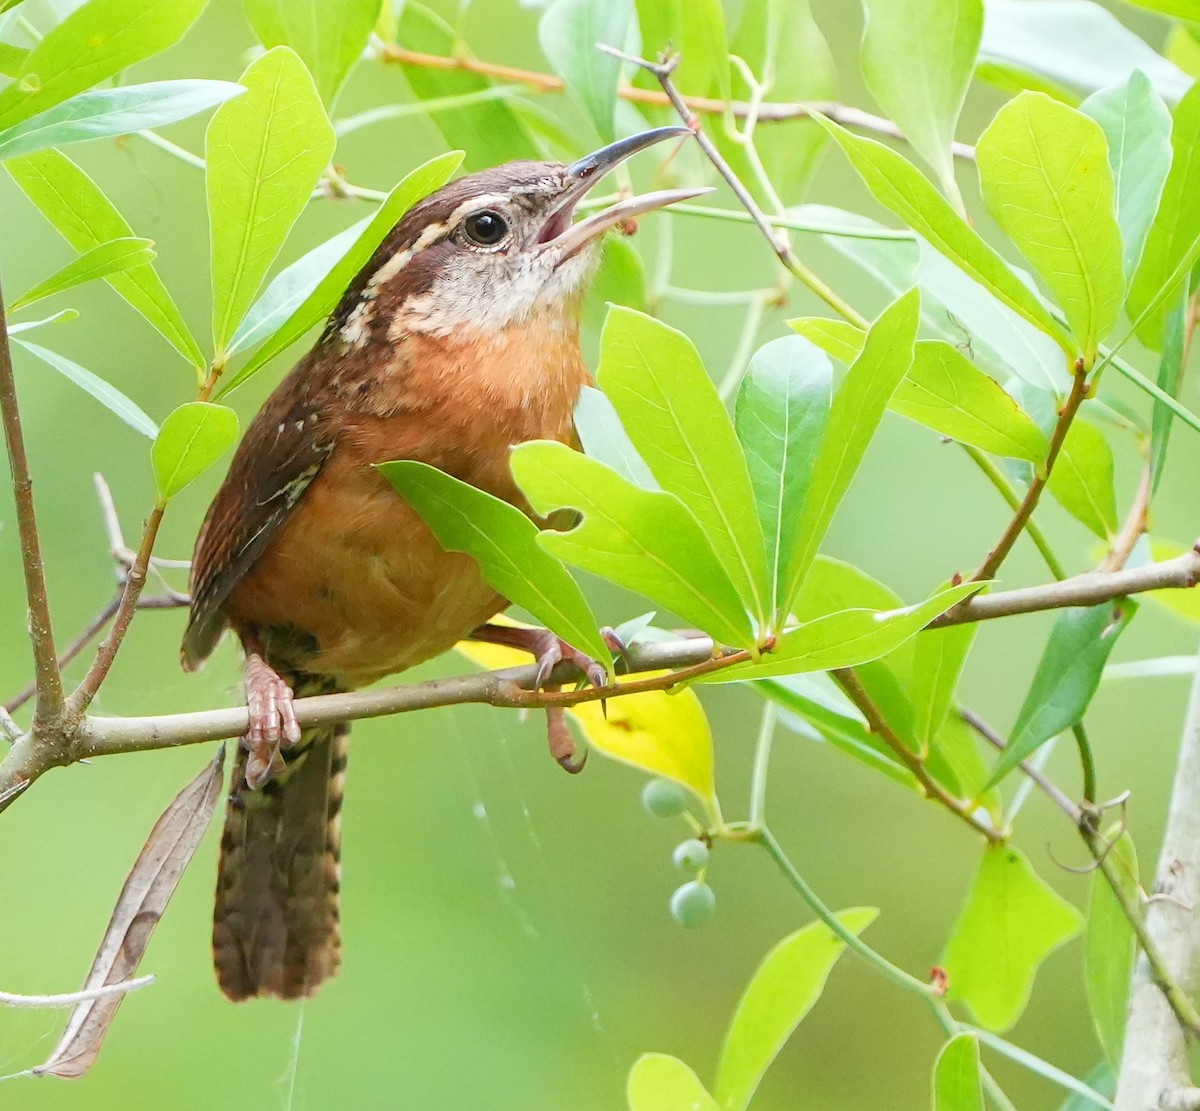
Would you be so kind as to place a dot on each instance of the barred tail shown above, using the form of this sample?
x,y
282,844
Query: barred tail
x,y
276,926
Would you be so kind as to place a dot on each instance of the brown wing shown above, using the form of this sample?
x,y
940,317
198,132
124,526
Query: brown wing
x,y
281,453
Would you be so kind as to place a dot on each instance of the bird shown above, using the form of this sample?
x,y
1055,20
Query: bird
x,y
456,341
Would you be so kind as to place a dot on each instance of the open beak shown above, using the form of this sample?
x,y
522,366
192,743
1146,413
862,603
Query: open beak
x,y
565,237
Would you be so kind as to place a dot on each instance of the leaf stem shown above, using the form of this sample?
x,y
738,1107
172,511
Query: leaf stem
x,y
41,630
762,763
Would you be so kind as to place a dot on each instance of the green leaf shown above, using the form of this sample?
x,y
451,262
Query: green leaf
x,y
604,438
781,413
504,542
569,32
192,439
825,715
86,218
108,258
1137,126
1044,172
917,59
490,133
108,395
857,409
292,286
118,111
940,657
844,639
645,540
329,35
695,29
1111,948
1175,231
944,391
786,985
1084,1097
839,338
1180,9
957,1084
1170,378
60,317
1082,479
899,186
264,153
333,283
1011,922
1066,678
659,1082
96,41
1080,45
671,410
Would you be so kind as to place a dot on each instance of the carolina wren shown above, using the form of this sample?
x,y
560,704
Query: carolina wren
x,y
458,340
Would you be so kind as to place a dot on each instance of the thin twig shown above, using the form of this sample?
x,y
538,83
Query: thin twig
x,y
780,244
1084,820
82,696
41,631
1049,789
90,632
1079,391
767,112
961,808
1134,526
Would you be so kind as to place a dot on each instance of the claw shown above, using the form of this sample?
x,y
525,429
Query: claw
x,y
273,723
617,646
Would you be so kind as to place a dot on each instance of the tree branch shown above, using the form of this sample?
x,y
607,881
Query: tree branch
x,y
767,112
1092,588
1154,1065
41,631
686,659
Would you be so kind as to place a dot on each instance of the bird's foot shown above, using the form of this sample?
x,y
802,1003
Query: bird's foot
x,y
273,723
548,651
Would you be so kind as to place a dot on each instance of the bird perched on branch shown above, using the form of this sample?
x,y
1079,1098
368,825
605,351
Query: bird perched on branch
x,y
457,340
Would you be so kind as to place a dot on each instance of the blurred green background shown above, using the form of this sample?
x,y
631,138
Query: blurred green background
x,y
507,941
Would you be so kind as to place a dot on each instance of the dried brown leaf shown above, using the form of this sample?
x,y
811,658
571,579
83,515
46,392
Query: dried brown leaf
x,y
143,899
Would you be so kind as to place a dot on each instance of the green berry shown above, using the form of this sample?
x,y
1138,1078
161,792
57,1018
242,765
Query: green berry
x,y
693,904
691,855
664,798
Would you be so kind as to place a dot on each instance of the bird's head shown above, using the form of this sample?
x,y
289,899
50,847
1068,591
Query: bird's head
x,y
496,248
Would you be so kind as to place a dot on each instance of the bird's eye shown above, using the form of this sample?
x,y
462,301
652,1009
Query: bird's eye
x,y
485,228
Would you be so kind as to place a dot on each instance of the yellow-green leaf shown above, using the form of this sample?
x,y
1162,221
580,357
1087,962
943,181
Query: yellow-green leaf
x,y
659,1082
1044,172
264,153
191,440
1012,921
